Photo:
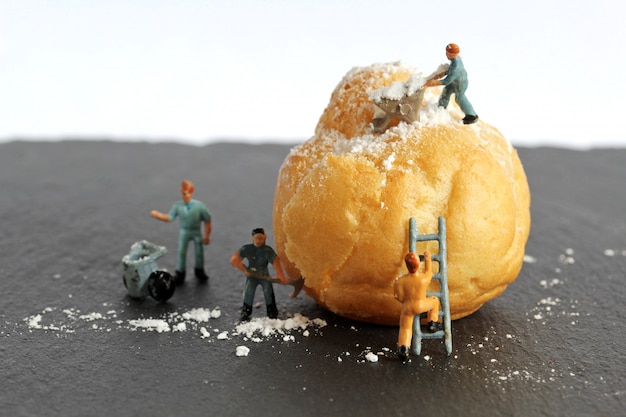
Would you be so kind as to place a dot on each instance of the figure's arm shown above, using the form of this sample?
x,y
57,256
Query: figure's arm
x,y
427,263
279,270
433,82
451,75
207,232
440,72
161,216
237,261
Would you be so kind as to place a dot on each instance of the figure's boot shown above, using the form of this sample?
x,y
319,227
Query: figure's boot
x,y
179,278
200,274
435,326
246,312
272,310
469,119
403,352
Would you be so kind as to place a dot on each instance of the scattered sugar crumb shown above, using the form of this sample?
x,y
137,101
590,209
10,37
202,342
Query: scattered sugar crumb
x,y
609,252
159,326
242,351
549,301
202,315
35,322
554,281
530,259
204,333
91,317
371,357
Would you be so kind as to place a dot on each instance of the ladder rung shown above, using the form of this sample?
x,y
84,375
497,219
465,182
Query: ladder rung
x,y
435,335
431,236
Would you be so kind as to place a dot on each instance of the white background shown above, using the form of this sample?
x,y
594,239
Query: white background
x,y
542,72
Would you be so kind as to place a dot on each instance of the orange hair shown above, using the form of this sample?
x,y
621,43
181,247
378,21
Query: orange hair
x,y
412,262
453,48
187,186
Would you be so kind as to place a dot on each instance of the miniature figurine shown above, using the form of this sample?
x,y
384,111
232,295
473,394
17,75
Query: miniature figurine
x,y
410,290
455,82
192,213
258,256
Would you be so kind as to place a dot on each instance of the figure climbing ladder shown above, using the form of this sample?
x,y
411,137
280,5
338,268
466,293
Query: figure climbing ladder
x,y
442,277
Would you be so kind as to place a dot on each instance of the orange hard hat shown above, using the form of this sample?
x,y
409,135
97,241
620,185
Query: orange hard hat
x,y
453,48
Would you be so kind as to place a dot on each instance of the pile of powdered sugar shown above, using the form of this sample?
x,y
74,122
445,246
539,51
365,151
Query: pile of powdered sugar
x,y
199,321
260,329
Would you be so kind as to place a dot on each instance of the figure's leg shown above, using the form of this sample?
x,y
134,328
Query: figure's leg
x,y
467,108
249,290
405,334
270,299
464,104
433,313
444,99
248,298
199,252
183,242
199,258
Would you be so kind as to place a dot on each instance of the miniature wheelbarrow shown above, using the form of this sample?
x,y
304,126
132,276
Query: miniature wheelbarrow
x,y
398,101
141,274
401,100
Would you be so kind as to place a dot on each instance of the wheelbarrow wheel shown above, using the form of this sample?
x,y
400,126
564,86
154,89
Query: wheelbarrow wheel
x,y
161,285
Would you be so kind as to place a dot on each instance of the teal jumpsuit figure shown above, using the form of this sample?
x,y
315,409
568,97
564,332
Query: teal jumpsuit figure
x,y
455,82
191,213
258,256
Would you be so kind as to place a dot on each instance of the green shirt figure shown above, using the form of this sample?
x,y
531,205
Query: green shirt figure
x,y
258,255
455,82
191,214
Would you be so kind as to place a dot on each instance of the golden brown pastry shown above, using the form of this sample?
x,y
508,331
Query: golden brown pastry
x,y
344,198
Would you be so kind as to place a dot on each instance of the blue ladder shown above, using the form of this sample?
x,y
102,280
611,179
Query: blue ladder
x,y
442,294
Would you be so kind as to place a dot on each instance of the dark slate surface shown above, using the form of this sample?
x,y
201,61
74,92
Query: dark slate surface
x,y
552,344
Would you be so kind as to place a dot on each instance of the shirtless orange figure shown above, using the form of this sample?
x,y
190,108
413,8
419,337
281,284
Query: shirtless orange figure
x,y
410,290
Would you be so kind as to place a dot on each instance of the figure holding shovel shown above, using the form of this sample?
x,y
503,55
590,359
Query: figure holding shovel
x,y
258,255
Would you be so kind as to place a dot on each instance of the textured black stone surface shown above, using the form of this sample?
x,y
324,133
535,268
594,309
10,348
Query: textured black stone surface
x,y
552,344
